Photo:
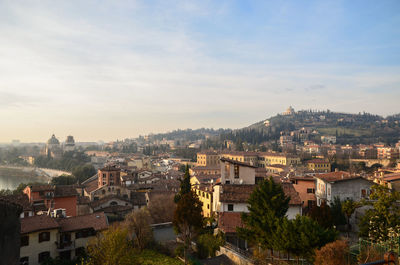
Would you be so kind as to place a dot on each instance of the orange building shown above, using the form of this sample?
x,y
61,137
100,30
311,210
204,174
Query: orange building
x,y
109,176
54,197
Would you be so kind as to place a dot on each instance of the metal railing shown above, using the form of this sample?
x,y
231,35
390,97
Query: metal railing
x,y
390,258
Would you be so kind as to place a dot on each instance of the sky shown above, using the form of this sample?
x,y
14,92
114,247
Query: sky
x,y
107,70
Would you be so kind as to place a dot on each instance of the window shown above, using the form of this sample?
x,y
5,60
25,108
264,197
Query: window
x,y
44,236
227,182
24,261
310,190
236,171
230,207
25,240
208,206
43,256
363,193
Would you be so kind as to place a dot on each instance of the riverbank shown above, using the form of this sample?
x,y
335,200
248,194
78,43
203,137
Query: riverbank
x,y
12,176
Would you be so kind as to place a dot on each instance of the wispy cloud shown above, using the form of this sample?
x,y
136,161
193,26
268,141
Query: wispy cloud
x,y
147,66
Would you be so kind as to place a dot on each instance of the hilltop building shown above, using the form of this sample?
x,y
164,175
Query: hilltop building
x,y
289,111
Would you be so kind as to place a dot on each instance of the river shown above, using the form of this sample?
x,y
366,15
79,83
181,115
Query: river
x,y
11,177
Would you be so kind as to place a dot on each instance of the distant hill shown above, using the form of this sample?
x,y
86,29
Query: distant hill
x,y
348,128
189,134
361,128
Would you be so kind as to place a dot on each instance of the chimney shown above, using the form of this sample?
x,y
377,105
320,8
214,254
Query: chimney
x,y
336,170
342,176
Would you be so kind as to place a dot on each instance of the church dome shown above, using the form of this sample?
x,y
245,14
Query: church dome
x,y
53,140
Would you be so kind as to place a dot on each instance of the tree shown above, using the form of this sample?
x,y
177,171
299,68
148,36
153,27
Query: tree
x,y
267,206
338,217
112,247
384,217
63,180
84,172
188,219
161,208
301,236
185,185
348,208
322,214
335,253
138,225
207,244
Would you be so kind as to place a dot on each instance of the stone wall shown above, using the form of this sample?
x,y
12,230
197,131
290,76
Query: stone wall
x,y
10,228
234,256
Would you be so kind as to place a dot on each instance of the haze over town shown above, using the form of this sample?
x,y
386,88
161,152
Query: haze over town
x,y
112,70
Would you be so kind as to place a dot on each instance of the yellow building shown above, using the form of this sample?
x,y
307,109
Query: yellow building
x,y
250,158
319,165
204,192
207,158
266,159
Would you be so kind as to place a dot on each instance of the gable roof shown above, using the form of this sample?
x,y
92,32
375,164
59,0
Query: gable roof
x,y
337,176
38,223
223,159
97,221
234,193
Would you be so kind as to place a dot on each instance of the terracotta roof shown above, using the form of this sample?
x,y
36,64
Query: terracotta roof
x,y
97,221
116,209
105,199
337,176
392,177
110,168
92,185
223,159
20,199
38,223
290,191
36,188
59,190
228,221
65,191
232,193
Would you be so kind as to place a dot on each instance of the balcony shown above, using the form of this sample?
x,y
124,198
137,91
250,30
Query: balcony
x,y
65,245
319,194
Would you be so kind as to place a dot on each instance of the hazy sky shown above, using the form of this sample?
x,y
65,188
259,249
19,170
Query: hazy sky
x,y
117,69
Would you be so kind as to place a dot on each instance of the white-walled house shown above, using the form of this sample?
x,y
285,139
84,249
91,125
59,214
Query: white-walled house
x,y
341,184
235,172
